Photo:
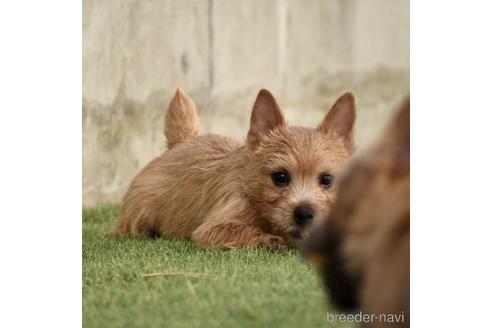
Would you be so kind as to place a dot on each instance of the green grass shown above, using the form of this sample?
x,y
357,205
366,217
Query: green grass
x,y
252,287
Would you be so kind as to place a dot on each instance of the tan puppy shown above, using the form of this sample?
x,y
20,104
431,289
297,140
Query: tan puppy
x,y
220,192
363,249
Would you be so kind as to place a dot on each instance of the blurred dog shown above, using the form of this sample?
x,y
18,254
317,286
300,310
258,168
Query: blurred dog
x,y
363,248
220,192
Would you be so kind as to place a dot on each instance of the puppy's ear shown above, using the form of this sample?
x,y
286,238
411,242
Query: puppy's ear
x,y
397,138
340,119
181,119
265,117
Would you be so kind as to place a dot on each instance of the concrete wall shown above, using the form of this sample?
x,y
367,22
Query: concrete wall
x,y
221,52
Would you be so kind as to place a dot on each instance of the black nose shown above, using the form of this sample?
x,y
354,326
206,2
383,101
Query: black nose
x,y
303,215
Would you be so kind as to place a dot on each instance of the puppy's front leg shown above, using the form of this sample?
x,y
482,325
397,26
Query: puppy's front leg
x,y
235,234
230,225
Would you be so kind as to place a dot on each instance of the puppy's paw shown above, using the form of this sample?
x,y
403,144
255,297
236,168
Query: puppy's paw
x,y
275,243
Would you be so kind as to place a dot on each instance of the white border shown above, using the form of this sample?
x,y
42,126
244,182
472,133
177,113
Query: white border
x,y
41,163
451,169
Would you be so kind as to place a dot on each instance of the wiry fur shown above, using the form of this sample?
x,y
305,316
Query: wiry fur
x,y
219,192
363,249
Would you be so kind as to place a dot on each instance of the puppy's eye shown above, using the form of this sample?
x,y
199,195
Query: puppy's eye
x,y
326,180
281,178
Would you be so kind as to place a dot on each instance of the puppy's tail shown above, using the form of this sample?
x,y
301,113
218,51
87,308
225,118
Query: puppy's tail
x,y
181,119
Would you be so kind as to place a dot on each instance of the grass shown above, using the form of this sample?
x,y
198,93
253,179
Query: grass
x,y
243,288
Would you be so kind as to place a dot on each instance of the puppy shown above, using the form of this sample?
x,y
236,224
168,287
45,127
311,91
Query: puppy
x,y
363,248
221,192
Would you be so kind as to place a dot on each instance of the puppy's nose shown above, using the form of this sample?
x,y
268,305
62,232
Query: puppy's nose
x,y
303,215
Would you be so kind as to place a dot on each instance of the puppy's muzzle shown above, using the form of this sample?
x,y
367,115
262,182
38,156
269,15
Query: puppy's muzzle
x,y
323,249
303,215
